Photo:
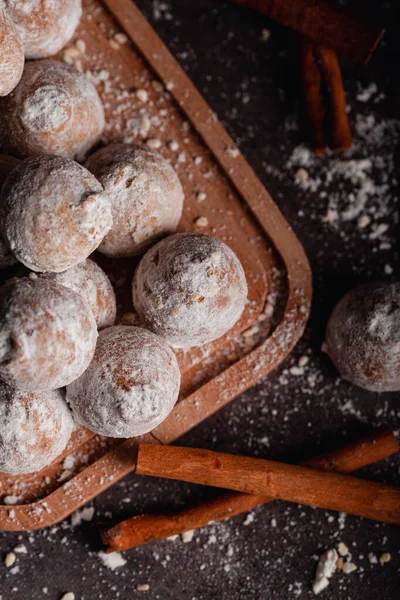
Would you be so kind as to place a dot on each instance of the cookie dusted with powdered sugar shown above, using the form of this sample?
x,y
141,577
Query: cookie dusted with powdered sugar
x,y
90,281
11,54
363,336
145,193
53,110
47,334
44,26
131,385
34,429
190,289
53,213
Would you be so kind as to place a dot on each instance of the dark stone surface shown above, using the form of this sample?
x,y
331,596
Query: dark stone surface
x,y
251,85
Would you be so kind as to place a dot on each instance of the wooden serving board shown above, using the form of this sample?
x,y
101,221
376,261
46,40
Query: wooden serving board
x,y
221,188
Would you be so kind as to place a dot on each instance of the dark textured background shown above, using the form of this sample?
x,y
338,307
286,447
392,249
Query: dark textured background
x,y
251,84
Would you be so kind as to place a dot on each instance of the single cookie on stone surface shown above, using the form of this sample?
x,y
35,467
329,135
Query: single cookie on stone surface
x,y
89,281
363,336
145,193
34,429
53,110
190,289
11,54
130,386
45,26
53,213
47,334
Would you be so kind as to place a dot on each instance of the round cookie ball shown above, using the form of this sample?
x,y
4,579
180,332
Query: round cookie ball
x,y
145,193
190,289
363,336
47,334
34,429
89,281
45,26
53,110
11,55
53,213
130,386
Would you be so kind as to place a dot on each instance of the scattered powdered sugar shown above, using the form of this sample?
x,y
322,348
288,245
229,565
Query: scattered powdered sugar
x,y
355,186
84,514
112,561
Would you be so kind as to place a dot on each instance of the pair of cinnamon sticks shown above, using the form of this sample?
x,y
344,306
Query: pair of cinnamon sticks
x,y
307,484
325,29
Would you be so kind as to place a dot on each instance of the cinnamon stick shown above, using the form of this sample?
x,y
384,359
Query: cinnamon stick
x,y
292,483
313,101
325,24
144,529
324,98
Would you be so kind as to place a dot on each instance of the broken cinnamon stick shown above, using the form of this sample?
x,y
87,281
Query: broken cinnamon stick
x,y
144,529
325,24
324,98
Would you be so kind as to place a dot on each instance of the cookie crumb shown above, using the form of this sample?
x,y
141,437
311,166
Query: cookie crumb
x,y
302,175
385,558
154,143
232,152
265,35
363,221
325,569
142,95
187,536
10,560
173,145
114,44
80,46
121,38
201,222
342,549
348,568
142,587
